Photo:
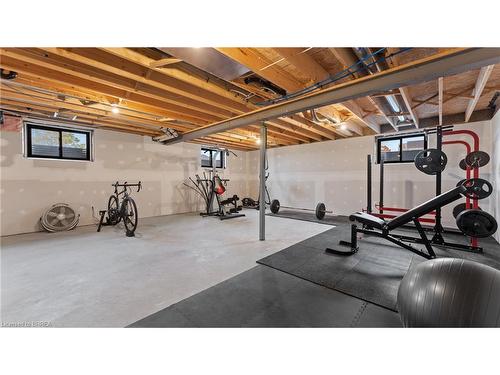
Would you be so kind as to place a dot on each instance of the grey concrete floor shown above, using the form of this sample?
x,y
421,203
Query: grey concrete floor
x,y
86,279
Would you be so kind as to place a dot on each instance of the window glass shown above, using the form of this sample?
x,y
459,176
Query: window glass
x,y
74,145
206,158
389,150
219,159
411,146
44,143
57,142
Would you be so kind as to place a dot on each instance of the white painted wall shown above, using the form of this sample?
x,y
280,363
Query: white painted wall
x,y
334,172
29,186
495,138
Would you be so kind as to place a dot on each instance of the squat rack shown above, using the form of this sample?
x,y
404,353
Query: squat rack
x,y
438,229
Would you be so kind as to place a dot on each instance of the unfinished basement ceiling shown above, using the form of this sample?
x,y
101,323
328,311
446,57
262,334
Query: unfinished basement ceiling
x,y
182,89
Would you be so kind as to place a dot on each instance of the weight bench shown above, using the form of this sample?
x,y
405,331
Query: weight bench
x,y
375,226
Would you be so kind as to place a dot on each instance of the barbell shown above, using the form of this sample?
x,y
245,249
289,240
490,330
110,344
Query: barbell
x,y
320,209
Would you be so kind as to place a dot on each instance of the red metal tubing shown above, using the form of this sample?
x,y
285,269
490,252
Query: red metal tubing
x,y
388,216
397,209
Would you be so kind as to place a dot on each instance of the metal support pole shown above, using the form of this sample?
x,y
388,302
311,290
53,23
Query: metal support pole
x,y
369,184
262,180
381,199
438,228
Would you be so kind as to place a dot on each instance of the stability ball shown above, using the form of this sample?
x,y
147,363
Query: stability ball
x,y
450,292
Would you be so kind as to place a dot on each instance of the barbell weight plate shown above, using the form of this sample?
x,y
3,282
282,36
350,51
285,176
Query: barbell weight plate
x,y
275,206
463,164
478,188
320,210
476,223
459,208
477,159
431,161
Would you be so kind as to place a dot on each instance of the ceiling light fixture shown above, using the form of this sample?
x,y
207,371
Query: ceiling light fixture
x,y
56,114
74,117
115,109
343,127
257,141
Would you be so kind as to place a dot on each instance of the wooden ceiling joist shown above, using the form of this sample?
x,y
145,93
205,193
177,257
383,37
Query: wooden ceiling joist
x,y
405,94
484,75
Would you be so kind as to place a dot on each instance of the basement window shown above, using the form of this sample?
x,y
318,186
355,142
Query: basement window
x,y
210,157
54,142
400,149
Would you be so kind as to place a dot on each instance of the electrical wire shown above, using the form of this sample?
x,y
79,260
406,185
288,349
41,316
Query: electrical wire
x,y
338,76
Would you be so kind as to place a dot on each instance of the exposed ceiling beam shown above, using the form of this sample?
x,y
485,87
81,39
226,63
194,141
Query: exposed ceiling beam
x,y
389,120
423,70
484,74
405,94
312,69
163,62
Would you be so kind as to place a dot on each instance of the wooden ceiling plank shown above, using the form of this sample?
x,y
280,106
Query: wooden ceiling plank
x,y
85,68
177,112
482,79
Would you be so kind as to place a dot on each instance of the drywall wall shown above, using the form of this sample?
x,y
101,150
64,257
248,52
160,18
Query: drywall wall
x,y
334,172
495,163
29,186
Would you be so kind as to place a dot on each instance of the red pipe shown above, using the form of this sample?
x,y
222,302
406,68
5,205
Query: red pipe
x,y
468,169
387,216
475,137
397,209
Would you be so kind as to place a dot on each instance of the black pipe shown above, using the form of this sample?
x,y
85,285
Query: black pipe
x,y
369,184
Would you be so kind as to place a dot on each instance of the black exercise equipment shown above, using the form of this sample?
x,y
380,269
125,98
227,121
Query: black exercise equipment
x,y
450,292
477,188
477,159
476,223
211,188
319,211
463,165
431,161
375,226
459,208
125,210
482,189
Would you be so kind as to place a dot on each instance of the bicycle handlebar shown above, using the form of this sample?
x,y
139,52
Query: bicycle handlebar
x,y
126,184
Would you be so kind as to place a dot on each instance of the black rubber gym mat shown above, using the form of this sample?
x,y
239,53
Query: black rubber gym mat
x,y
310,216
265,297
372,274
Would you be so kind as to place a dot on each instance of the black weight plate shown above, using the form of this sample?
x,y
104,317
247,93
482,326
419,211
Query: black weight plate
x,y
461,182
463,164
459,208
476,223
320,210
431,161
477,159
478,188
275,206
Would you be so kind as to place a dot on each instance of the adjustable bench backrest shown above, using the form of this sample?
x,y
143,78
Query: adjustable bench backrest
x,y
427,207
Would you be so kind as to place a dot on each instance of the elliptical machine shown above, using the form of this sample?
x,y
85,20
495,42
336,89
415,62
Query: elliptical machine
x,y
211,188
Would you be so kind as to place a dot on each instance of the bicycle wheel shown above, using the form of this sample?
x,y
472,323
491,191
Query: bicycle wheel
x,y
113,213
130,215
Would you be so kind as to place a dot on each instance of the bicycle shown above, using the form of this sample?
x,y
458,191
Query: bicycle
x,y
125,210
